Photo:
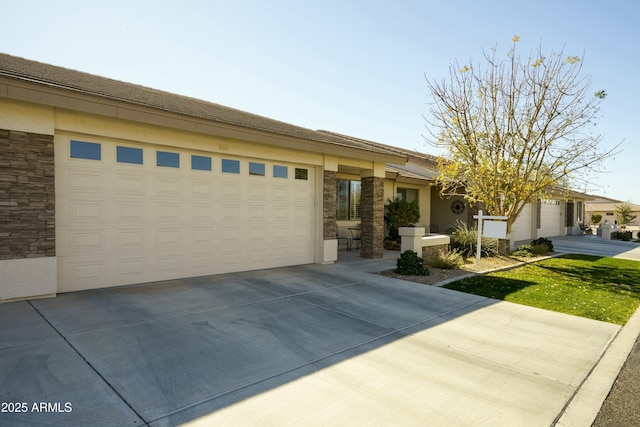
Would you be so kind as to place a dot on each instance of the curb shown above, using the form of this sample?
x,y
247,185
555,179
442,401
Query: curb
x,y
584,406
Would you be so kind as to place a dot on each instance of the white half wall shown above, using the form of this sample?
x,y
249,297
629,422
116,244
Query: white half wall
x,y
330,251
25,278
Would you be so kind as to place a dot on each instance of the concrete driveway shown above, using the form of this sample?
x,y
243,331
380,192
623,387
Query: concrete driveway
x,y
594,245
309,345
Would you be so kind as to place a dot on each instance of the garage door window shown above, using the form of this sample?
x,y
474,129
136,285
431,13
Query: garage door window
x,y
280,172
167,159
230,166
86,150
200,163
256,169
302,174
129,155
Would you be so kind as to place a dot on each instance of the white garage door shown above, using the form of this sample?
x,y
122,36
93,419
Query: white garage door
x,y
550,218
131,214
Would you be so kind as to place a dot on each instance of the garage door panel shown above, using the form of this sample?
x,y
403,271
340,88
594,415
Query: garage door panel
x,y
550,217
121,224
82,272
85,182
131,269
200,212
130,185
201,189
130,211
131,240
199,237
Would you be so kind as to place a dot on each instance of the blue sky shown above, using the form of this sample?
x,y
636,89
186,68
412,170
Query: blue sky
x,y
355,67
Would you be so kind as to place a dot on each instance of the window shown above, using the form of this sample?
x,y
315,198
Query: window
x,y
348,200
230,166
168,160
256,169
200,163
302,174
86,150
280,172
129,155
408,194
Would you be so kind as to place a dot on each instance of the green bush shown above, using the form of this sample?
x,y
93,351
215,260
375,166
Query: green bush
x,y
410,264
625,236
447,260
464,240
540,242
400,213
638,234
524,251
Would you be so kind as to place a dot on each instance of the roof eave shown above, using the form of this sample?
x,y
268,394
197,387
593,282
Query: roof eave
x,y
35,92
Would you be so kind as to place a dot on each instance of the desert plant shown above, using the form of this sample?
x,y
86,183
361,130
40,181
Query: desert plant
x,y
447,260
410,264
464,239
523,251
400,213
542,241
623,212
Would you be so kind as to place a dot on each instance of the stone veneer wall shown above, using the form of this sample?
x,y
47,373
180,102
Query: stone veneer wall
x,y
27,195
372,217
329,226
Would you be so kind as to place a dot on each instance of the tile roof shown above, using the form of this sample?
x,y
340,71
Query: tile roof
x,y
102,87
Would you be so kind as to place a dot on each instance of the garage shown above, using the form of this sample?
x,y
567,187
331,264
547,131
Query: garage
x,y
132,213
550,218
521,228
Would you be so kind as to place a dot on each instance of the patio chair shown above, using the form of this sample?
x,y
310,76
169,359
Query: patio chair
x,y
345,239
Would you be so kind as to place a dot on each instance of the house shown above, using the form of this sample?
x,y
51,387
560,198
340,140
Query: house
x,y
106,183
606,207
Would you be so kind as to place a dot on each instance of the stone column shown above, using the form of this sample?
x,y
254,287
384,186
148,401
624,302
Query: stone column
x,y
372,217
27,216
329,226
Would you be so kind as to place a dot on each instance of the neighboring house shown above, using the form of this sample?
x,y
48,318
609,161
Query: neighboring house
x,y
607,208
105,183
561,212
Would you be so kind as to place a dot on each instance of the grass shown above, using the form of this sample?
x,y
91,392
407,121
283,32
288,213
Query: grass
x,y
599,288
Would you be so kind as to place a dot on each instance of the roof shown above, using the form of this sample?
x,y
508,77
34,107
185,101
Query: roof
x,y
610,207
416,155
78,82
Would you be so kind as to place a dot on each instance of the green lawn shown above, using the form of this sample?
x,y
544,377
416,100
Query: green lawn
x,y
606,289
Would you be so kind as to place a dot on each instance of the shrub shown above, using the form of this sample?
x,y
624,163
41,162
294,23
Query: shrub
x,y
524,251
410,264
400,213
447,260
542,241
464,239
638,234
625,236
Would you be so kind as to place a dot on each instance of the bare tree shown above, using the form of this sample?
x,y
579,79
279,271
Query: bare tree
x,y
514,129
